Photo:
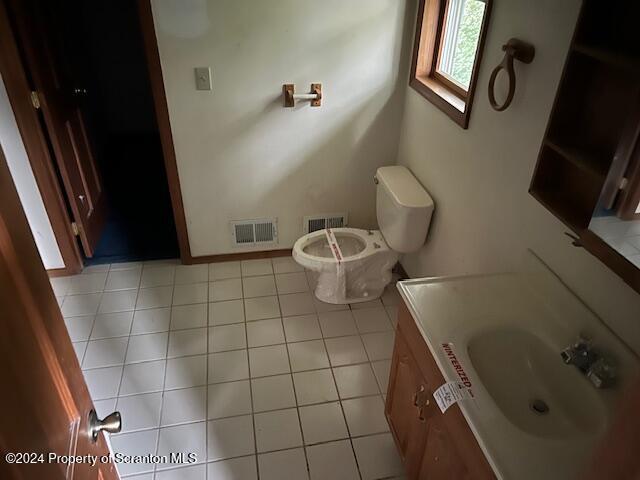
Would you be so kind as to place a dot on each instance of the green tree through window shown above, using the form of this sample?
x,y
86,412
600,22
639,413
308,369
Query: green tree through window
x,y
467,42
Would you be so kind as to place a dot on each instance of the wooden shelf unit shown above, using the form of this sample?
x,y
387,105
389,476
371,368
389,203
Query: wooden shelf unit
x,y
592,143
594,106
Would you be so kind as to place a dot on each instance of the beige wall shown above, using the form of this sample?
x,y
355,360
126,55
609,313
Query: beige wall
x,y
240,154
479,178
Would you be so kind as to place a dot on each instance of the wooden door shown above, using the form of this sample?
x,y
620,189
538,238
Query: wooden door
x,y
628,202
45,402
407,392
60,100
621,190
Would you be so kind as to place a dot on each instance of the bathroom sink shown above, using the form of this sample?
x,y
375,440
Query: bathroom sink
x,y
533,415
532,386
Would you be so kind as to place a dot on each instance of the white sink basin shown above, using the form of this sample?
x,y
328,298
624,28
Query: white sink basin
x,y
533,387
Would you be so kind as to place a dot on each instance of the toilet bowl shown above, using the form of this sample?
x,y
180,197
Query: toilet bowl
x,y
354,265
362,273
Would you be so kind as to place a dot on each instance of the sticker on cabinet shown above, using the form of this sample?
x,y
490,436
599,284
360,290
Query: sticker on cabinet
x,y
450,393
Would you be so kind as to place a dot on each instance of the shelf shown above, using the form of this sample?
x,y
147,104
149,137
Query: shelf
x,y
591,92
561,208
609,57
585,161
565,187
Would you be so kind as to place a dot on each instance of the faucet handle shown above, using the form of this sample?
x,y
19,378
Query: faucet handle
x,y
580,353
602,373
567,355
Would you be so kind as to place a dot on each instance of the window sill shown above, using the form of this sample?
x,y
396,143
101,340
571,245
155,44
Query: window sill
x,y
443,98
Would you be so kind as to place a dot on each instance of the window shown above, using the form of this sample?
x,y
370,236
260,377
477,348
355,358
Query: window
x,y
447,52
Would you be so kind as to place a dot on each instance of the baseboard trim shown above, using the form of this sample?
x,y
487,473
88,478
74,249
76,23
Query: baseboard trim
x,y
62,272
229,257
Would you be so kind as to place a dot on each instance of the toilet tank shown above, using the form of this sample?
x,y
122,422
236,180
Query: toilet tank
x,y
403,208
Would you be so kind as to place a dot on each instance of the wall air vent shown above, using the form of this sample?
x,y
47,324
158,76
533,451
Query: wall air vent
x,y
247,233
319,222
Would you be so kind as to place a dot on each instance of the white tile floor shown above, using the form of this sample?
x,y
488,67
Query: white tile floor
x,y
239,363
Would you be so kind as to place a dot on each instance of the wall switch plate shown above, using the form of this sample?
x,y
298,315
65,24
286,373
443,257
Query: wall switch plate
x,y
203,78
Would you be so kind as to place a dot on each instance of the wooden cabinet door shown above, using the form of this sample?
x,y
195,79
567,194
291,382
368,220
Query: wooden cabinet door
x,y
407,389
441,460
433,445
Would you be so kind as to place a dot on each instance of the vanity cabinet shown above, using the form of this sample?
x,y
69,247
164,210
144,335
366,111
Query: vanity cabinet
x,y
432,445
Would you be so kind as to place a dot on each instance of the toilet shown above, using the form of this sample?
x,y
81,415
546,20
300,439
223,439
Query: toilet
x,y
354,265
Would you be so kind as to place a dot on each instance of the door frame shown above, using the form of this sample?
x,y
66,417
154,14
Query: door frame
x,y
154,67
35,142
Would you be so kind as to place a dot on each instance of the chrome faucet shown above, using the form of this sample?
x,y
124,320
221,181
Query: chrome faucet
x,y
598,368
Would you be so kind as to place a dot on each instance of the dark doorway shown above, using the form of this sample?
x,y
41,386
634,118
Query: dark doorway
x,y
105,47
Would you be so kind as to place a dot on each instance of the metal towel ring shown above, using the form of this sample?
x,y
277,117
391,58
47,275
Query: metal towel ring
x,y
514,48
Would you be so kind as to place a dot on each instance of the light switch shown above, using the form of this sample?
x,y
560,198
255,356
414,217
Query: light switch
x,y
203,78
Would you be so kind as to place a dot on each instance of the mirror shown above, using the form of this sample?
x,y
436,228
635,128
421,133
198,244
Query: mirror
x,y
622,236
616,221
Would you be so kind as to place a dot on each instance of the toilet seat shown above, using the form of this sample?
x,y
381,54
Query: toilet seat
x,y
372,242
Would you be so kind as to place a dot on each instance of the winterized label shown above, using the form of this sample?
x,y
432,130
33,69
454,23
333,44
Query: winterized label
x,y
333,245
457,366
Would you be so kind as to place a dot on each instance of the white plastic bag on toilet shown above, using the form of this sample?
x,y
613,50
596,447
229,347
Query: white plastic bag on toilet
x,y
368,279
344,282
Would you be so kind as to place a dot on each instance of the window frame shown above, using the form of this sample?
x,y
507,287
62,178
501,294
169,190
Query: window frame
x,y
444,93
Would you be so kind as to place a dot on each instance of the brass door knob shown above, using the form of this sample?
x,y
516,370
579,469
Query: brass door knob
x,y
112,423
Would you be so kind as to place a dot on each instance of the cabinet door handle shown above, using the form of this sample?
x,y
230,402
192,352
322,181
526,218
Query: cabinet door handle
x,y
417,396
421,416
